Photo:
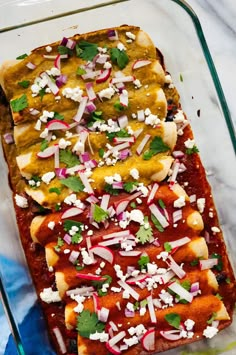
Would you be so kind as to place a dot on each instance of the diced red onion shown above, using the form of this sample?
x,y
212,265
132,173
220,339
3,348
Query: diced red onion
x,y
8,137
194,288
129,314
67,238
156,242
84,157
85,290
117,185
178,154
61,80
61,173
33,111
120,86
124,154
103,314
64,41
92,199
91,164
112,35
151,310
123,121
102,58
90,91
90,107
70,43
60,340
142,144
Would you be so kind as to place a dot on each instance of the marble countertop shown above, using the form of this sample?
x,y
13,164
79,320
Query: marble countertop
x,y
218,22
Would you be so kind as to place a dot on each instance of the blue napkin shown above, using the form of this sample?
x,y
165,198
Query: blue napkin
x,y
23,302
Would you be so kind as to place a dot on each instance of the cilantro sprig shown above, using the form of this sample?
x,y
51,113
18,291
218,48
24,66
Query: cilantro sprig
x,y
156,223
143,261
167,247
19,104
119,57
192,150
86,50
144,234
130,185
173,319
88,323
44,145
24,83
156,146
121,134
212,318
99,215
60,243
110,190
68,158
74,183
98,284
22,56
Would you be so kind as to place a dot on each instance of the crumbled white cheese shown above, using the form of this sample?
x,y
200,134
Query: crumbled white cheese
x,y
63,144
137,83
201,202
50,296
47,177
74,94
106,93
180,202
210,332
102,337
116,289
189,143
120,46
163,255
215,229
134,173
48,49
51,225
136,216
131,341
87,260
114,178
21,201
189,324
143,189
139,330
90,232
37,126
179,117
44,134
130,35
152,120
107,65
126,294
130,306
151,268
46,114
53,71
168,79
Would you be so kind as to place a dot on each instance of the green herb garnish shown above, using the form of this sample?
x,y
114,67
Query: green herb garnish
x,y
56,190
121,134
42,92
227,280
144,234
58,116
101,152
156,223
110,190
64,50
173,319
74,183
130,185
24,84
19,104
219,266
43,145
69,223
86,50
67,157
133,205
192,150
181,78
219,296
99,215
213,317
143,261
161,203
80,71
88,323
22,56
60,243
156,146
167,247
119,57
99,284
118,107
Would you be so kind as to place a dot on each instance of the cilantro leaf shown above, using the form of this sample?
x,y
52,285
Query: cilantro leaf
x,y
227,280
99,214
173,319
58,116
55,189
213,317
119,57
219,266
22,56
156,223
110,190
68,158
133,205
73,183
24,84
167,247
80,71
70,223
88,323
86,50
195,262
42,92
219,296
101,152
129,186
36,179
143,261
144,234
43,145
60,243
76,238
19,104
161,203
156,146
118,107
99,284
192,150
64,50
94,117
121,134
57,207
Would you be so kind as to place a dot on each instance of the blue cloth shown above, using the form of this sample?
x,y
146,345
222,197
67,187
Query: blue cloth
x,y
27,313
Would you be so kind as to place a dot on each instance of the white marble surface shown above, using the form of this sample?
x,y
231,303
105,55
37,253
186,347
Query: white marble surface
x,y
218,22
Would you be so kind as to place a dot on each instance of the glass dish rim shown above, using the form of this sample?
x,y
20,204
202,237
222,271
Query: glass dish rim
x,y
216,81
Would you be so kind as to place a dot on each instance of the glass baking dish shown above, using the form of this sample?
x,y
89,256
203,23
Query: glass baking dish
x,y
176,31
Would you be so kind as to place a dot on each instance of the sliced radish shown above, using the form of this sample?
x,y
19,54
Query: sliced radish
x,y
90,91
148,340
142,144
104,252
81,109
103,76
138,132
122,234
71,212
179,290
129,289
140,63
130,253
208,264
50,83
179,242
151,310
74,256
60,340
178,154
57,125
85,290
175,170
90,277
167,276
118,337
171,334
105,201
48,152
122,79
121,206
119,147
159,216
31,66
118,140
101,58
123,121
177,216
113,326
96,302
175,267
115,350
57,62
124,98
85,181
134,280
90,74
152,193
140,115
103,314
